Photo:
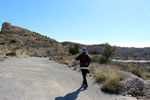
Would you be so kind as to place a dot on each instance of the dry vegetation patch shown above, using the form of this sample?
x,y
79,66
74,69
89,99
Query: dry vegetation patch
x,y
1,58
112,85
113,78
68,60
109,79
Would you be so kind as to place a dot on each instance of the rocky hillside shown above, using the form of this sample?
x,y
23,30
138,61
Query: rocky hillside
x,y
20,41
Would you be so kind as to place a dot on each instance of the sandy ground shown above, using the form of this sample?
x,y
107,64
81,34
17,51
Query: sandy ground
x,y
41,79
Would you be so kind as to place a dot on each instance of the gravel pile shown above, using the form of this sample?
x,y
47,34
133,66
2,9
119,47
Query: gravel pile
x,y
133,85
147,91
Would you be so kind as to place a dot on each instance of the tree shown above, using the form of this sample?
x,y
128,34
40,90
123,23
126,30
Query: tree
x,y
107,53
74,49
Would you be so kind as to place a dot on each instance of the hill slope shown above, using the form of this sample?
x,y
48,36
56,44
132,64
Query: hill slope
x,y
32,43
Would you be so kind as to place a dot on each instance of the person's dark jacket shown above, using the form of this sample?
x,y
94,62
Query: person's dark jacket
x,y
84,60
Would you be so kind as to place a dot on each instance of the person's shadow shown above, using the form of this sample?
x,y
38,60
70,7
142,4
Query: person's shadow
x,y
70,96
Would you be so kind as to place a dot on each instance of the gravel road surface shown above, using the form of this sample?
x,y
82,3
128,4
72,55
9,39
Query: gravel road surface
x,y
40,79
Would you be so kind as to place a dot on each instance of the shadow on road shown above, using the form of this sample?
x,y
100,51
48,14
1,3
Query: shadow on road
x,y
70,96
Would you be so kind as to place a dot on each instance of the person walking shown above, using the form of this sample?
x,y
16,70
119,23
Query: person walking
x,y
84,63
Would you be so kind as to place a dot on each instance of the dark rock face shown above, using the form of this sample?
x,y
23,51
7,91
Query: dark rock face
x,y
8,28
5,27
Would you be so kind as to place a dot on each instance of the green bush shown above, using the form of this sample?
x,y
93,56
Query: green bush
x,y
107,54
51,58
96,58
74,49
112,85
103,59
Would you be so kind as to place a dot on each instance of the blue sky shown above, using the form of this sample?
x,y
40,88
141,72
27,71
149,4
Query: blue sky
x,y
119,22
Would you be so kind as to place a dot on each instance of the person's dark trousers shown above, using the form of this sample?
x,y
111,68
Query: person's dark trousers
x,y
84,72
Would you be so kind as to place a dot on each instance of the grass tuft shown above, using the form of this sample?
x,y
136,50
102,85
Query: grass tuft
x,y
101,76
112,85
110,80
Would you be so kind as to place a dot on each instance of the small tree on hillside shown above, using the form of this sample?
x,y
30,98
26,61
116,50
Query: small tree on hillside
x,y
107,53
74,49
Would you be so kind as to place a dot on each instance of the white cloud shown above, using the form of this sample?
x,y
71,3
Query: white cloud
x,y
132,44
121,44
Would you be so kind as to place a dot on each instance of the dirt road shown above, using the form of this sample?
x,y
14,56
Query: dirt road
x,y
41,79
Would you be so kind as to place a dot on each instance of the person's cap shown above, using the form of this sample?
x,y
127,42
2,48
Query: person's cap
x,y
83,49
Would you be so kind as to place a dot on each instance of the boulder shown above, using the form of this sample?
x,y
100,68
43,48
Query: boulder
x,y
132,84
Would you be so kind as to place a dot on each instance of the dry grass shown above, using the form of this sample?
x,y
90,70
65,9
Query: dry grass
x,y
63,59
1,59
103,75
108,77
112,85
146,75
110,80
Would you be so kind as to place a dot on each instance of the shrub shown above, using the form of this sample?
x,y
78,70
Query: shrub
x,y
96,58
74,49
107,53
106,56
110,80
101,76
103,59
137,72
13,53
112,85
51,58
147,69
147,76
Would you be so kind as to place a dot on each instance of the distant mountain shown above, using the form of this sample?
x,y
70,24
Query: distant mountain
x,y
13,38
124,52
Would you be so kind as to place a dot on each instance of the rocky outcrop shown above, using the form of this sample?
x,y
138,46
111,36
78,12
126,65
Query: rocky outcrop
x,y
8,28
132,84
